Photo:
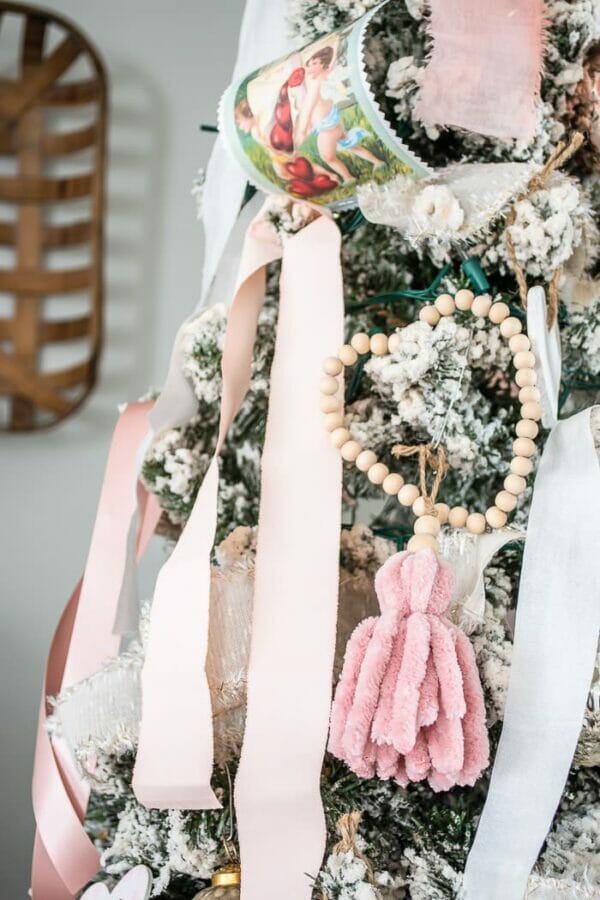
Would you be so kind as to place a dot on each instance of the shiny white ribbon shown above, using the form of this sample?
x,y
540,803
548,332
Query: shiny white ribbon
x,y
556,637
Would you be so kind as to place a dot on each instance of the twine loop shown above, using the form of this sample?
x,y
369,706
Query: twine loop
x,y
347,827
559,156
430,458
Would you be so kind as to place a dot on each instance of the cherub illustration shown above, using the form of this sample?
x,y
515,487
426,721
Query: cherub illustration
x,y
320,115
302,177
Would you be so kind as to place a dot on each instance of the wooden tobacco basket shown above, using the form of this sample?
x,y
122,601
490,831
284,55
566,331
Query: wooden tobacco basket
x,y
41,228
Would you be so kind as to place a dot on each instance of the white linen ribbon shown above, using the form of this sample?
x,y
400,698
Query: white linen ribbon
x,y
556,637
263,37
545,344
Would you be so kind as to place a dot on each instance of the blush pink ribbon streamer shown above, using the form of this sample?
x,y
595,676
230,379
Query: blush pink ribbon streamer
x,y
278,804
485,68
277,793
175,752
64,857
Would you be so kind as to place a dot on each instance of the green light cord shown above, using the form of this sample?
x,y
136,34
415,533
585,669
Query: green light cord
x,y
421,296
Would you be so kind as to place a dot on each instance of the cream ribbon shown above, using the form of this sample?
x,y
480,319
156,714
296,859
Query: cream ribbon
x,y
556,637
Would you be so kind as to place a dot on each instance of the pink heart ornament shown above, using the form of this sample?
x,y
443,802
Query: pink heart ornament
x,y
136,885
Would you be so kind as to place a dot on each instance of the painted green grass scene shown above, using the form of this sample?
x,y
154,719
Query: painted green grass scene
x,y
360,169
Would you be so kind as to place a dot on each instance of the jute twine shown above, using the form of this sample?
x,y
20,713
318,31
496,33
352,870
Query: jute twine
x,y
558,157
347,827
430,458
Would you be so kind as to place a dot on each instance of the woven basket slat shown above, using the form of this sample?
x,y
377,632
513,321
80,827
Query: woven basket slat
x,y
45,82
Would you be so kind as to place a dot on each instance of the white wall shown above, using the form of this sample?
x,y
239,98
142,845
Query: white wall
x,y
168,61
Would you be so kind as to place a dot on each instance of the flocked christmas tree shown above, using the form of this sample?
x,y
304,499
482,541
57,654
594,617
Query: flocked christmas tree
x,y
411,842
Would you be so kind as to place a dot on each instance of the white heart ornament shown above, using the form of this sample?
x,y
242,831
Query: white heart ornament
x,y
136,885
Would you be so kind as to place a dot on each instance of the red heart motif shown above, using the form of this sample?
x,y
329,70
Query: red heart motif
x,y
300,168
283,116
297,77
301,188
281,139
323,183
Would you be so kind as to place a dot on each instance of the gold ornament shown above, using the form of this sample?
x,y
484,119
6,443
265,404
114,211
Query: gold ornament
x,y
225,884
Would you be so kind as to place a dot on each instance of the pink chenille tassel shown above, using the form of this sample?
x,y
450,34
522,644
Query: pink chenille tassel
x,y
409,703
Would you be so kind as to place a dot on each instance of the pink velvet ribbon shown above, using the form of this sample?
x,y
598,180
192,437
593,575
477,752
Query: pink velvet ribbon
x,y
64,857
278,803
485,68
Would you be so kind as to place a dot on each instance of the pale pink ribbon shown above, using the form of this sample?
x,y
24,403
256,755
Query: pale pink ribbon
x,y
280,815
175,752
296,591
485,68
64,857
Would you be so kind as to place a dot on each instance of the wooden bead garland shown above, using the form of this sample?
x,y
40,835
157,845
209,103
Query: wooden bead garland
x,y
429,515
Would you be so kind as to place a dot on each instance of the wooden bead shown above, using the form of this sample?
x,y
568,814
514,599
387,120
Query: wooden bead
x,y
334,420
505,501
430,315
422,542
476,523
519,342
379,344
496,518
532,410
392,483
394,342
526,377
339,437
464,299
332,366
407,494
481,305
328,385
514,484
510,327
351,450
427,525
421,506
348,355
458,516
361,342
443,510
445,305
329,404
524,359
378,473
365,460
498,312
521,465
523,447
527,428
529,392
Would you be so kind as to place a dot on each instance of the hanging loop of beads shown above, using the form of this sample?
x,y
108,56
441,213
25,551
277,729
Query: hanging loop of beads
x,y
430,514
